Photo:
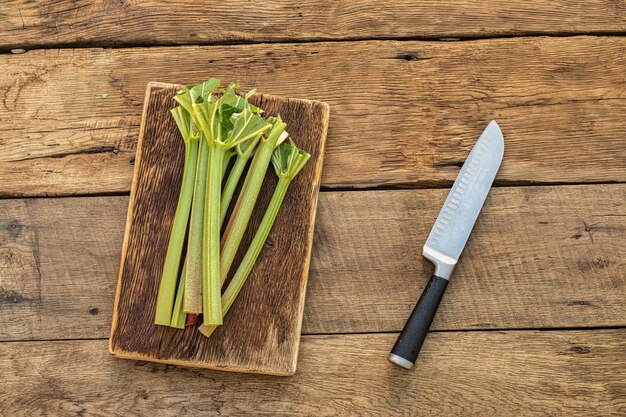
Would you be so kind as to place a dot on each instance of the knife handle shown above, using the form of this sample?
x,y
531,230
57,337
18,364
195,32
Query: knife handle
x,y
409,343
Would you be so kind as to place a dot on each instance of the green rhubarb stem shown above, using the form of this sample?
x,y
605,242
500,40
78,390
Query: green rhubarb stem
x,y
231,184
192,302
212,308
178,315
247,198
171,267
244,152
252,254
227,157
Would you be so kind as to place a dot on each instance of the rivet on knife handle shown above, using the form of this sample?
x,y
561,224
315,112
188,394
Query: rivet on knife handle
x,y
448,237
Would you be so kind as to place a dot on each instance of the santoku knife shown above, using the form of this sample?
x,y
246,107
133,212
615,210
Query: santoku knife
x,y
448,237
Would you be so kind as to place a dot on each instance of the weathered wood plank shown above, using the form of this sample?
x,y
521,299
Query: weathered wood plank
x,y
539,257
403,113
27,24
530,373
58,266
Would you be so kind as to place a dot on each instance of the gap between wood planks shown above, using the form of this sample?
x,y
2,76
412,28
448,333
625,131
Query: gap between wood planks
x,y
330,189
108,45
499,330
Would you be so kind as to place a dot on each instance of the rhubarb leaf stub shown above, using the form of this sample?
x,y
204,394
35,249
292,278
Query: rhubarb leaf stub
x,y
288,160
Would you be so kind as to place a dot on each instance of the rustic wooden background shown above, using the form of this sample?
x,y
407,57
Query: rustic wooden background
x,y
534,321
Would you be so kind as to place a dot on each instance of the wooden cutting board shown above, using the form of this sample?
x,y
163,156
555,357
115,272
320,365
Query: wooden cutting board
x,y
261,332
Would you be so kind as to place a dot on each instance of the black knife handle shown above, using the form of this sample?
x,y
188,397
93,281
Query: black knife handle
x,y
409,343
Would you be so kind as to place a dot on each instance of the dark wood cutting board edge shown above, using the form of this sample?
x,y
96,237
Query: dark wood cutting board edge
x,y
315,111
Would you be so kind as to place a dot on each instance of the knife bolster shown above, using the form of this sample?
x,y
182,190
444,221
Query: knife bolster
x,y
444,265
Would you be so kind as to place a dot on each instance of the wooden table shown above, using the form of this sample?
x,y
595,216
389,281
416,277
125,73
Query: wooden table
x,y
534,320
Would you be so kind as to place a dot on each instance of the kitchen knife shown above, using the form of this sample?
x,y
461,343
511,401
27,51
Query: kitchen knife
x,y
448,237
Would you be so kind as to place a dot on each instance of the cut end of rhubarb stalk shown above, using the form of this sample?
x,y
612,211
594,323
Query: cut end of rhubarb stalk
x,y
207,330
283,137
191,320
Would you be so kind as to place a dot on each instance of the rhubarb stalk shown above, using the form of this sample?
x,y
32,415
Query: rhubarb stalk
x,y
227,157
288,161
245,151
171,267
225,122
192,300
248,196
178,315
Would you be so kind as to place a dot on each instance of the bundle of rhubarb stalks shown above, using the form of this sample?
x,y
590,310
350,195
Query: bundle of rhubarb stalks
x,y
217,127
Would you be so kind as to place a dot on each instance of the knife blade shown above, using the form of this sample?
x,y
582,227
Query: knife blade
x,y
449,236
